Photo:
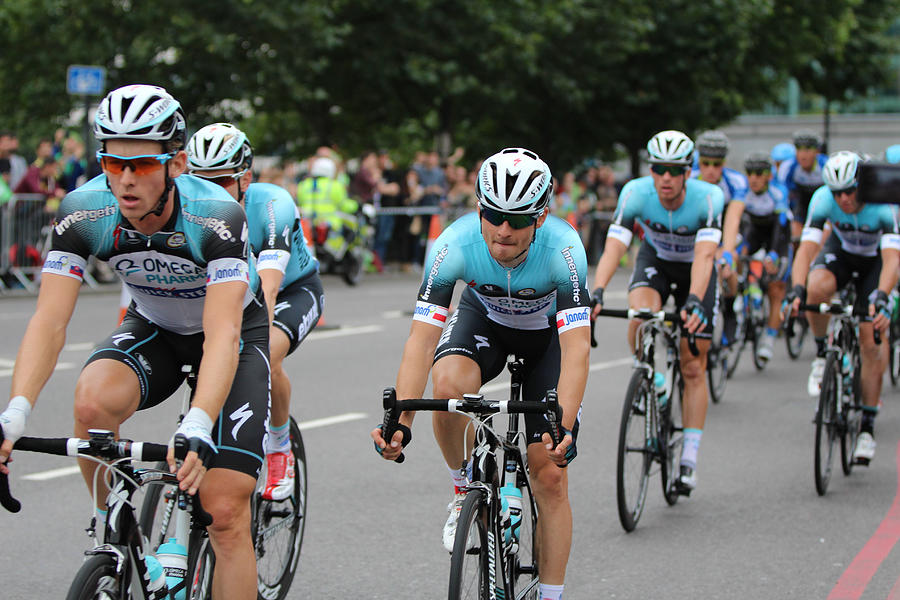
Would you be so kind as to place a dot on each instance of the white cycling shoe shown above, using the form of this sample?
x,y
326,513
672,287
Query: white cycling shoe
x,y
814,383
865,448
449,535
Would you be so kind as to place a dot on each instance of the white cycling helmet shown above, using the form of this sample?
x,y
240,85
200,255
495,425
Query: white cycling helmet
x,y
713,144
839,171
323,167
219,146
671,147
516,181
140,112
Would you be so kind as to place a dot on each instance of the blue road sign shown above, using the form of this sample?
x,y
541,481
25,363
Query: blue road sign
x,y
85,80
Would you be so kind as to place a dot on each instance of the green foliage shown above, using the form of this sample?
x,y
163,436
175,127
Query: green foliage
x,y
568,78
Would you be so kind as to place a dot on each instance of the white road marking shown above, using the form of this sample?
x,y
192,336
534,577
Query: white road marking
x,y
342,331
79,347
304,425
610,364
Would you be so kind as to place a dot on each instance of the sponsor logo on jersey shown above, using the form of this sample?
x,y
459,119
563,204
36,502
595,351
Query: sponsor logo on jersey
x,y
187,294
270,225
435,267
490,288
218,226
240,416
58,264
573,274
176,240
83,215
144,363
527,292
572,318
430,313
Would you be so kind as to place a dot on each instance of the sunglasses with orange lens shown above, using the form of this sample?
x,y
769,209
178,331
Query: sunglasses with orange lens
x,y
143,164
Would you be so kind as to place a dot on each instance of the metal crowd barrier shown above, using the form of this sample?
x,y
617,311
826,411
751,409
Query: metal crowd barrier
x,y
25,233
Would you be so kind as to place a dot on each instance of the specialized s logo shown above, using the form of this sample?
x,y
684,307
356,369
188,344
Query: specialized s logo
x,y
122,337
241,415
280,307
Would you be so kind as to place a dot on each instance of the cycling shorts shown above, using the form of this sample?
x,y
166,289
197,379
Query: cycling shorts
x,y
661,275
798,199
298,308
157,355
472,334
760,236
862,271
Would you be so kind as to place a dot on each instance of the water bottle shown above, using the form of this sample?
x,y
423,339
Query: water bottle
x,y
173,558
755,295
659,382
157,585
512,498
845,371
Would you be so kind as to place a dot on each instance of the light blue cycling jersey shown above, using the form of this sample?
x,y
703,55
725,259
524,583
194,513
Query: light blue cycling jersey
x,y
859,233
733,184
167,273
791,175
550,284
275,233
772,201
671,233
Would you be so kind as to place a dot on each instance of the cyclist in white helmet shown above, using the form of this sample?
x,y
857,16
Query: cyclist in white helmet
x,y
525,273
176,241
681,219
288,273
864,249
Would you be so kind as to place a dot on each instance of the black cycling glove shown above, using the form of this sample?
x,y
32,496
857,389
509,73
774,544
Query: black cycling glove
x,y
694,306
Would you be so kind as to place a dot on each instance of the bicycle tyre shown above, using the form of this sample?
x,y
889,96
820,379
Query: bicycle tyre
x,y
717,368
851,418
522,568
894,352
97,575
352,266
826,427
153,514
731,354
278,528
469,576
635,453
760,319
672,439
794,342
201,566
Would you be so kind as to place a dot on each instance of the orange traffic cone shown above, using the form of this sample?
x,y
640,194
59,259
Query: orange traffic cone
x,y
307,234
434,231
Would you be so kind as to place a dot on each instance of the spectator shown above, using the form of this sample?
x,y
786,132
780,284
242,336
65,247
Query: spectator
x,y
461,195
74,166
411,227
40,178
607,198
390,189
9,144
44,152
432,180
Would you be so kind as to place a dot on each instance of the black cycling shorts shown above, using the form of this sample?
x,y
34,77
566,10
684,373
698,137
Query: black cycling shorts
x,y
661,275
863,271
298,308
471,333
157,355
799,199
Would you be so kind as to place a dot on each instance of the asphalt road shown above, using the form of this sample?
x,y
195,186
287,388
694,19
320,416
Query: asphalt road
x,y
754,528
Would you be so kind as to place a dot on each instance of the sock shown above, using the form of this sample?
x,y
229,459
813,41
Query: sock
x,y
279,438
550,592
820,346
690,447
868,419
772,331
459,478
100,522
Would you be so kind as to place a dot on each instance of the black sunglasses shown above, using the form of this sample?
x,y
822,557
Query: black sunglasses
x,y
758,171
516,221
673,170
847,190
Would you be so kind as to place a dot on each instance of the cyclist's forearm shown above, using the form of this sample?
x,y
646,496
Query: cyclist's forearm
x,y
732,225
800,269
37,356
575,349
890,262
221,349
609,262
702,267
415,364
270,280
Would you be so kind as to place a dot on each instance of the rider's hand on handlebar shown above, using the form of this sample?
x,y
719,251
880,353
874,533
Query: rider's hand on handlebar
x,y
694,315
196,432
565,452
793,299
400,440
596,302
880,310
12,422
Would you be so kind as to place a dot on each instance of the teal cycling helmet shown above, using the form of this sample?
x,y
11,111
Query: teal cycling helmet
x,y
892,154
783,151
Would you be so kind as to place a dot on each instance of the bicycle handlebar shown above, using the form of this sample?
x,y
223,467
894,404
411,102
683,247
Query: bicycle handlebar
x,y
837,308
471,404
646,315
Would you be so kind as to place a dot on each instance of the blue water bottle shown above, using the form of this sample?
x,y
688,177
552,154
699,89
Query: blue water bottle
x,y
173,558
513,497
659,382
157,578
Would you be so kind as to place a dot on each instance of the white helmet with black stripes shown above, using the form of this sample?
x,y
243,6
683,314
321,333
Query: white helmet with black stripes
x,y
515,180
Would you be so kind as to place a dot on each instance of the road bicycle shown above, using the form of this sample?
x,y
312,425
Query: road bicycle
x,y
495,551
894,340
650,430
277,527
839,410
115,567
752,310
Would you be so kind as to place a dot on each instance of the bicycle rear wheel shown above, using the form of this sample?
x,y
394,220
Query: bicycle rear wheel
x,y
851,417
97,579
635,455
671,441
201,565
717,362
894,352
278,528
794,342
826,425
469,576
757,328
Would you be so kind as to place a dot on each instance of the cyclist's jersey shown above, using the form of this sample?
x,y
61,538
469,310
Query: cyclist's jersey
x,y
549,285
733,184
204,243
671,233
275,233
860,233
765,208
792,176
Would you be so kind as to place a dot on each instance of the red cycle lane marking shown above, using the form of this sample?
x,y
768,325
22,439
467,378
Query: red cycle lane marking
x,y
856,577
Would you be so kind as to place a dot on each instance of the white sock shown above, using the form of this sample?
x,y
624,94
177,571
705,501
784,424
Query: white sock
x,y
550,592
279,438
691,447
100,523
459,478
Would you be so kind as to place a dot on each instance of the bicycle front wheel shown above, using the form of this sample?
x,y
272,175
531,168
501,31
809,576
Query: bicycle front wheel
x,y
794,342
278,528
635,455
522,568
97,578
826,424
758,325
469,571
671,441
